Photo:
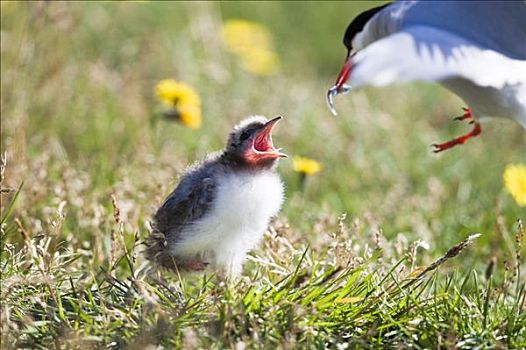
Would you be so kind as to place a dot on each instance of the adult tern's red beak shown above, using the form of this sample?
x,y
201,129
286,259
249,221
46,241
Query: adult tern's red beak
x,y
340,86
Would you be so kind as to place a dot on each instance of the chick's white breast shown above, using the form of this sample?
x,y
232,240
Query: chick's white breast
x,y
241,210
248,201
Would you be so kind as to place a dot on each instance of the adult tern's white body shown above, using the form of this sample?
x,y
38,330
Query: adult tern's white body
x,y
476,49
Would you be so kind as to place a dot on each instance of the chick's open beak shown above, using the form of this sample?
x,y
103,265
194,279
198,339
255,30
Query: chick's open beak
x,y
339,86
262,143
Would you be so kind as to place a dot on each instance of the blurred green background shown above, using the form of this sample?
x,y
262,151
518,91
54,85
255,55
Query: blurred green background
x,y
79,112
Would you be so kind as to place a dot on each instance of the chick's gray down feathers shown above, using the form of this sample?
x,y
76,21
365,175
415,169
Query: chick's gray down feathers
x,y
189,202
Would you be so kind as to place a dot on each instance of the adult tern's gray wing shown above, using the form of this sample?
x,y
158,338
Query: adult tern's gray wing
x,y
495,25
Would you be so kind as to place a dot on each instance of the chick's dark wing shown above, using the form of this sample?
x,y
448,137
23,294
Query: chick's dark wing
x,y
189,202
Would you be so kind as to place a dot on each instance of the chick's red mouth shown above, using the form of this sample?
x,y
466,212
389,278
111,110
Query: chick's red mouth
x,y
263,142
262,146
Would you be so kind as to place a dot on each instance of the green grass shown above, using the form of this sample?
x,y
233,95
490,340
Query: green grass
x,y
81,131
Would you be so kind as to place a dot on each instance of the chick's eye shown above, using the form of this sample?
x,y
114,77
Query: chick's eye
x,y
245,135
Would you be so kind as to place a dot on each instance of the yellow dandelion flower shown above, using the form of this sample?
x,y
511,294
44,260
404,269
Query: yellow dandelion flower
x,y
171,92
515,182
239,35
305,166
190,116
252,43
182,100
260,61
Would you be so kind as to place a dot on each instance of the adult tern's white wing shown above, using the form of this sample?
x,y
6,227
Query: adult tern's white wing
x,y
430,54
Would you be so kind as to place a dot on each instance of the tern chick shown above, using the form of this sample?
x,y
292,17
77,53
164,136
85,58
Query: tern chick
x,y
222,205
